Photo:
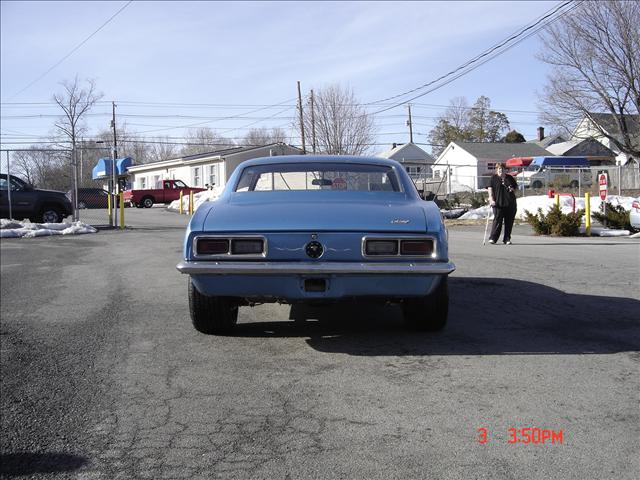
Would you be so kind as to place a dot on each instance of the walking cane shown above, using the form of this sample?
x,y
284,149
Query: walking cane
x,y
486,227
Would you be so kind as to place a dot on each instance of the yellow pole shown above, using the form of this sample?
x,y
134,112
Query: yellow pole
x,y
109,209
557,200
121,196
181,210
190,203
587,213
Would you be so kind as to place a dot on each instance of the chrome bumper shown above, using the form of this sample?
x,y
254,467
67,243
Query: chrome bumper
x,y
308,268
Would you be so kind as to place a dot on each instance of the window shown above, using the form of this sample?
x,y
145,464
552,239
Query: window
x,y
156,181
143,183
195,173
16,184
213,174
319,176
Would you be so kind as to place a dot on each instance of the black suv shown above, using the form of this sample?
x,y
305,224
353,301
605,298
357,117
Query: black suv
x,y
40,206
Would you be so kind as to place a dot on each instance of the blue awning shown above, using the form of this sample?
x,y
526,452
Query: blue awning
x,y
560,161
104,166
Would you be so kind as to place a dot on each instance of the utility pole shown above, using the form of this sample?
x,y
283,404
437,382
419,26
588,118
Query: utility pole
x,y
410,124
304,150
114,179
113,125
313,125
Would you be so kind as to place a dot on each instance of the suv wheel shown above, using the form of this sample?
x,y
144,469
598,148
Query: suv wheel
x,y
50,214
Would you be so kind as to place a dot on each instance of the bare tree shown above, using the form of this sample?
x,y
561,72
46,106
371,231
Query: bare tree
x,y
263,136
342,126
205,140
459,122
452,125
595,55
43,169
75,102
129,144
162,148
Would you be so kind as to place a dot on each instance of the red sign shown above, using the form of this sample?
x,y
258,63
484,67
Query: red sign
x,y
339,184
602,186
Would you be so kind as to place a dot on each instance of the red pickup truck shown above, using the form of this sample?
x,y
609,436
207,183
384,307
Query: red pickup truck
x,y
168,192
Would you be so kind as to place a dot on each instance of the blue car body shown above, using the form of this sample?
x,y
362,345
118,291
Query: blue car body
x,y
324,238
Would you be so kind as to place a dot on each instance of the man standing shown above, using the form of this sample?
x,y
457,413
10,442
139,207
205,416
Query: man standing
x,y
502,198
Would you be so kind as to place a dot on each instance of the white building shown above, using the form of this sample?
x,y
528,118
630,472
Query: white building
x,y
415,160
204,169
593,126
470,165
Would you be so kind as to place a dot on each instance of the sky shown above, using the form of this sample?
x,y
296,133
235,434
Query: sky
x,y
233,66
26,229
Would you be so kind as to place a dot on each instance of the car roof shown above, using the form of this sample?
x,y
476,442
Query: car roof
x,y
318,158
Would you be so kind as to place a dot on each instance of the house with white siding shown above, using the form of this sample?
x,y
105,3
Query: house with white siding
x,y
468,166
415,160
594,125
204,169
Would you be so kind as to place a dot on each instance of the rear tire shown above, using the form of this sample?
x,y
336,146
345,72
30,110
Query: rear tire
x,y
147,202
428,313
211,315
50,214
573,184
537,184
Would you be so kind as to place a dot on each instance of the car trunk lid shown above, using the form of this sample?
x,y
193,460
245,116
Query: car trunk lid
x,y
353,215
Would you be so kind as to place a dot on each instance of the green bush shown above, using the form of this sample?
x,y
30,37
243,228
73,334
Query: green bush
x,y
555,222
479,200
616,217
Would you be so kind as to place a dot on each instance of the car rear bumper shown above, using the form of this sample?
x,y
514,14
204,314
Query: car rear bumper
x,y
309,268
302,281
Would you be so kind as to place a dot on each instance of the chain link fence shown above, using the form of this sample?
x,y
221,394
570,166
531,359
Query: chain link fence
x,y
53,169
622,180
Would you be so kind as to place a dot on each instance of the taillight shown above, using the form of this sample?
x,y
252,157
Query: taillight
x,y
381,247
247,246
212,246
421,248
229,246
408,247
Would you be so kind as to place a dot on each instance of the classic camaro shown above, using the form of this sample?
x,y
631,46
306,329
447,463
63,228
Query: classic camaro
x,y
317,229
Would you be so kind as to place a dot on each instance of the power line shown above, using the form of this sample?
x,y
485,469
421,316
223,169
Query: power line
x,y
221,118
74,50
482,58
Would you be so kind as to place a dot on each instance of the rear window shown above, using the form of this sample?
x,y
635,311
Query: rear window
x,y
318,176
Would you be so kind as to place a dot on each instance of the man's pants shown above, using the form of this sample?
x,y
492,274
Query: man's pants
x,y
506,215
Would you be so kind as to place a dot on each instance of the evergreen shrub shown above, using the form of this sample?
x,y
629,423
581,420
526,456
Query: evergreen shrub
x,y
616,217
555,222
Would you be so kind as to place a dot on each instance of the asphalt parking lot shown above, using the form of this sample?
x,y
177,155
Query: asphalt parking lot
x,y
103,376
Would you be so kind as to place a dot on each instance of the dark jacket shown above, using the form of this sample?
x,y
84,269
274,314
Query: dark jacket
x,y
504,191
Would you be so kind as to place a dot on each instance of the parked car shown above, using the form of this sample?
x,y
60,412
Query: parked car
x,y
41,206
634,214
166,191
317,229
91,198
559,171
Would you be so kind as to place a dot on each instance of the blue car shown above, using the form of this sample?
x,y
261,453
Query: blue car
x,y
317,229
